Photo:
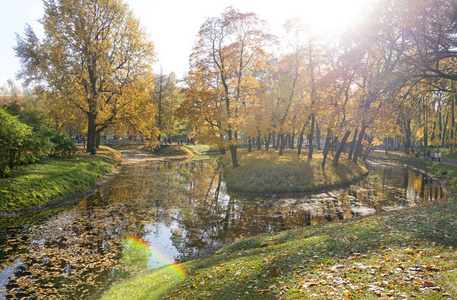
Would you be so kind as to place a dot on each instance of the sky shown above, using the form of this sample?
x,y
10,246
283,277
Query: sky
x,y
173,24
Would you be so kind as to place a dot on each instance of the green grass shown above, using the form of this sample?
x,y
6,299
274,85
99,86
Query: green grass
x,y
185,150
150,286
452,156
402,255
263,172
199,148
55,178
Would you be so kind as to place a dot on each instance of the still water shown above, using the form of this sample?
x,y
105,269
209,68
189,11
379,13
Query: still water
x,y
181,210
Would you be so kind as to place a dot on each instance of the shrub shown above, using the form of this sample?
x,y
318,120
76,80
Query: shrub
x,y
17,143
62,144
52,141
22,144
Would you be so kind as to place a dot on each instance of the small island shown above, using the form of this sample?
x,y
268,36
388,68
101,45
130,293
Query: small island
x,y
266,173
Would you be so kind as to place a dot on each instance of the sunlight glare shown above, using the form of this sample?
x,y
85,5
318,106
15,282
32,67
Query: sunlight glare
x,y
328,15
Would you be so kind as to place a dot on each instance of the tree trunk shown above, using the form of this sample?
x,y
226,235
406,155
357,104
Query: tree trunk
x,y
354,139
90,132
365,156
440,125
259,145
281,142
310,137
300,140
267,142
318,136
233,148
340,148
292,140
408,136
426,129
278,141
445,130
274,140
453,122
326,147
249,145
359,147
369,148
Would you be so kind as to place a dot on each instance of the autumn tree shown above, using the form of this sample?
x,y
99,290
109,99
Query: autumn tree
x,y
229,51
377,45
431,38
289,85
167,97
95,59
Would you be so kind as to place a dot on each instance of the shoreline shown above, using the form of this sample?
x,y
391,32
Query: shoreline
x,y
100,183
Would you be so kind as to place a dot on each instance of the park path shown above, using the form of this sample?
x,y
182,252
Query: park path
x,y
450,161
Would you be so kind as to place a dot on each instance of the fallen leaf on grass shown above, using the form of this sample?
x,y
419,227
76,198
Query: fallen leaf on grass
x,y
429,284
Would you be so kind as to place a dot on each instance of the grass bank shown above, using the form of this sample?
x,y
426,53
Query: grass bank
x,y
404,254
263,172
184,150
55,178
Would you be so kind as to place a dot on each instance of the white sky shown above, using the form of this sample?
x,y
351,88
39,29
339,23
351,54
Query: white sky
x,y
174,24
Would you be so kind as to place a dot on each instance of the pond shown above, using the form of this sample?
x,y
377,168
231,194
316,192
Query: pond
x,y
178,210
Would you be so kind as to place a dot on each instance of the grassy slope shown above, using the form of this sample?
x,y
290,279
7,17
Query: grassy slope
x,y
263,172
402,254
55,178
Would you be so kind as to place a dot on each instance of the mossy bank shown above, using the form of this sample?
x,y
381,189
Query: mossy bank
x,y
54,179
265,173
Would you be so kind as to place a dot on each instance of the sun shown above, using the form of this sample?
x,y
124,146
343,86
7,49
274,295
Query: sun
x,y
335,15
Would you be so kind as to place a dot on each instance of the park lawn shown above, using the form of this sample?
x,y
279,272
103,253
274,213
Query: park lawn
x,y
53,179
403,254
265,172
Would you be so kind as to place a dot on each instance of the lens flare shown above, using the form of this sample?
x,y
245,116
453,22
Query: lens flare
x,y
141,246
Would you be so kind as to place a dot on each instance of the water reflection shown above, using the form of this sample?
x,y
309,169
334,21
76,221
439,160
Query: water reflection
x,y
183,209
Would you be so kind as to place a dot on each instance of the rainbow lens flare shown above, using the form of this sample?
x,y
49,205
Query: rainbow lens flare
x,y
142,252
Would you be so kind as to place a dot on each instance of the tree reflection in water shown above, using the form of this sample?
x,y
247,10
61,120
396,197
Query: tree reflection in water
x,y
181,207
